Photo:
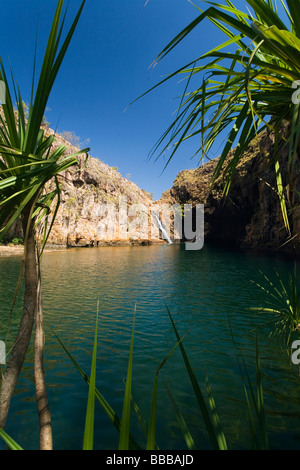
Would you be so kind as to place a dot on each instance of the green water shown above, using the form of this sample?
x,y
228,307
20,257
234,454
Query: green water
x,y
204,291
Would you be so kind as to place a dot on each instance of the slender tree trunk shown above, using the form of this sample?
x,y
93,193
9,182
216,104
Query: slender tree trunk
x,y
20,347
32,313
40,386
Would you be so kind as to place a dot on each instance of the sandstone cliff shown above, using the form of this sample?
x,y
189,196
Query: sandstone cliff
x,y
94,195
250,216
93,198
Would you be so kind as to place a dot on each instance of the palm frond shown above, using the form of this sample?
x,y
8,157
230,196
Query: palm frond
x,y
253,71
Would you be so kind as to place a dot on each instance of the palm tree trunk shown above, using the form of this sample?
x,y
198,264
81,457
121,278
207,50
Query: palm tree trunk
x,y
39,376
20,347
32,313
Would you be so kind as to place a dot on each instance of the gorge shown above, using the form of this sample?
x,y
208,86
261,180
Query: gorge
x,y
249,217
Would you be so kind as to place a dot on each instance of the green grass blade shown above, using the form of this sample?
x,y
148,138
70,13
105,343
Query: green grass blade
x,y
266,13
280,187
50,68
294,15
215,438
8,110
216,420
64,48
37,110
182,424
9,441
125,422
139,415
260,403
152,422
254,438
255,443
109,411
88,439
260,437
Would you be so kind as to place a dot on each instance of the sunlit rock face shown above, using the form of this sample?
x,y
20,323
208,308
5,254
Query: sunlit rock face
x,y
91,195
97,206
100,207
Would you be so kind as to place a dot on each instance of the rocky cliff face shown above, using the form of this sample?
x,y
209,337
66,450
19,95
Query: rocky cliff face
x,y
250,216
98,206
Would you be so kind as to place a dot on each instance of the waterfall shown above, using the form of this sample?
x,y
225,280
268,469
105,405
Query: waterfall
x,y
164,233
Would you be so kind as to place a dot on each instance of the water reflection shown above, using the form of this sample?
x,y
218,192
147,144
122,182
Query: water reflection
x,y
208,292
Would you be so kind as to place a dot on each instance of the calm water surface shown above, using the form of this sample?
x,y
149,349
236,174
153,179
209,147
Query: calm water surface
x,y
207,291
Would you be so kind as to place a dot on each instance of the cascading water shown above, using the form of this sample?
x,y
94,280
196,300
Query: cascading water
x,y
164,233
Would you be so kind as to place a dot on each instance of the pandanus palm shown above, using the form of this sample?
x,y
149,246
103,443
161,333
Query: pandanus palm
x,y
247,84
28,161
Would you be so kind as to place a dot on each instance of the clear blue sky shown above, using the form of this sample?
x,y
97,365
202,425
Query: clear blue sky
x,y
106,68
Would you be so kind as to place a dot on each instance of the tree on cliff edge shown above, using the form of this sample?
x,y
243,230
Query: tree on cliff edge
x,y
247,84
27,163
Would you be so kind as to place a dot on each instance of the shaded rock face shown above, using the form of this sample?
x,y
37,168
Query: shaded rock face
x,y
250,216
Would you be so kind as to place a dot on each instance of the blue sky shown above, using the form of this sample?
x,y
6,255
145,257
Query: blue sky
x,y
106,68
